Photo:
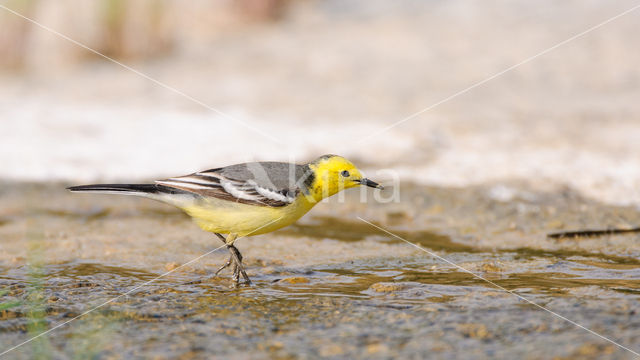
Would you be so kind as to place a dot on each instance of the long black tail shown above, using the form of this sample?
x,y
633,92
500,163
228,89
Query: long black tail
x,y
126,189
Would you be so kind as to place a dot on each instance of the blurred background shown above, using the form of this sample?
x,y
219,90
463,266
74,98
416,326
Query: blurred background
x,y
290,80
504,120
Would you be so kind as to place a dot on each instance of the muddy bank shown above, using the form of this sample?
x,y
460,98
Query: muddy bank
x,y
329,286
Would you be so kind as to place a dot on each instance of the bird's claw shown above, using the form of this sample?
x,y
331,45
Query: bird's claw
x,y
235,259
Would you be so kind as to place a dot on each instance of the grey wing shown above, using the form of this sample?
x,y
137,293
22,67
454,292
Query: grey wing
x,y
260,184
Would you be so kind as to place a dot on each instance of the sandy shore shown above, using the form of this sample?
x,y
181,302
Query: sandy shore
x,y
329,285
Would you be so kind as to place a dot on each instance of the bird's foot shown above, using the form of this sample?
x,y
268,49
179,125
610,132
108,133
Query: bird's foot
x,y
235,259
238,269
226,265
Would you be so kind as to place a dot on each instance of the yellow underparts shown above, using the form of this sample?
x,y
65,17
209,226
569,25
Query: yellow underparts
x,y
226,217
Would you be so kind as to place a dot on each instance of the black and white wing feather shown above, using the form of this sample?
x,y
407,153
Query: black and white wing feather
x,y
214,183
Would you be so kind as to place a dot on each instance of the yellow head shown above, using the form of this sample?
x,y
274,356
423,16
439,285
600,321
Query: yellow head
x,y
332,174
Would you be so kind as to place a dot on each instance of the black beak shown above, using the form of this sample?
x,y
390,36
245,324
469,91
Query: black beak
x,y
369,183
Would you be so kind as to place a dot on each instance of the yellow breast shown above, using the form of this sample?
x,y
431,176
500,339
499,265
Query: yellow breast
x,y
225,217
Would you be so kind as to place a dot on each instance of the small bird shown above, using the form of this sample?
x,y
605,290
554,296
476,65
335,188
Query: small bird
x,y
247,199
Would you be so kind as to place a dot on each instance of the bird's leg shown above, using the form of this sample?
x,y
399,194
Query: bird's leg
x,y
226,265
236,275
238,262
230,261
221,238
235,258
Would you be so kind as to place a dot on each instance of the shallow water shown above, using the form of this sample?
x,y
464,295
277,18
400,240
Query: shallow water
x,y
329,286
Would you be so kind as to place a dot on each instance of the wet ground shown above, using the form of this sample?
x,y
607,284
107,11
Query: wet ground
x,y
327,78
329,286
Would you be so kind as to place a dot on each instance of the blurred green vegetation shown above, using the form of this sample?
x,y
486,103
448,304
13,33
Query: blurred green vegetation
x,y
35,296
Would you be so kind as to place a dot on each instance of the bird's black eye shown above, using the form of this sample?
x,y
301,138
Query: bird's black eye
x,y
344,173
